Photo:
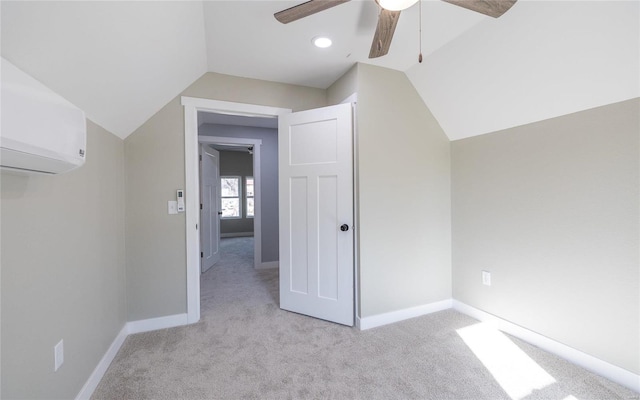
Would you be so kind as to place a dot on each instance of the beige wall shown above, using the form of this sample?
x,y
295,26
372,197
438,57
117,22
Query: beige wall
x,y
404,196
344,87
551,210
154,157
265,93
155,252
63,274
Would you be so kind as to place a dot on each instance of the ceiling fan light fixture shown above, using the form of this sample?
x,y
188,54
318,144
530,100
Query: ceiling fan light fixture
x,y
396,5
321,42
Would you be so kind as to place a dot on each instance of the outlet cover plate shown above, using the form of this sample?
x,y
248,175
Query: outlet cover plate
x,y
486,278
58,355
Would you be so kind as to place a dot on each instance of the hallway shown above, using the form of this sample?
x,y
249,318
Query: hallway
x,y
234,280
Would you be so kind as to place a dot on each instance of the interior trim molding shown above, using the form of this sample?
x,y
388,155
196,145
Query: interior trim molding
x,y
97,374
153,324
192,187
236,234
374,321
600,367
269,265
130,328
591,363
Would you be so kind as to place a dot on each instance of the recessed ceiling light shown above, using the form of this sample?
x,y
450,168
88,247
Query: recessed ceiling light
x,y
321,42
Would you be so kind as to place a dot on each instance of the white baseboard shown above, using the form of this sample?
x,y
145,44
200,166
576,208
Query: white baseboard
x,y
129,328
268,265
584,360
97,374
400,315
236,234
153,324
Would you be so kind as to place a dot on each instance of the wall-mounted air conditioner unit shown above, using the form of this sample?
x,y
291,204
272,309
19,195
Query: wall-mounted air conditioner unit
x,y
40,131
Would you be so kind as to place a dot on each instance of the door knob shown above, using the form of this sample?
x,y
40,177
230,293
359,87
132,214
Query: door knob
x,y
344,227
219,212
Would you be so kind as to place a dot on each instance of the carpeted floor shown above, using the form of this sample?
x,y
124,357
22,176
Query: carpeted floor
x,y
245,347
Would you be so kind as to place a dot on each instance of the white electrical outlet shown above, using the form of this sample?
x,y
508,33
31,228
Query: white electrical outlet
x,y
58,355
486,278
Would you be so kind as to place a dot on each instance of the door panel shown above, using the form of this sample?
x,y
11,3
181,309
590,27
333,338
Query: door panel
x,y
313,143
299,242
210,199
328,237
316,199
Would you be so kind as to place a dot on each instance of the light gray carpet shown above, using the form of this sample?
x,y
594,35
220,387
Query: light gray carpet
x,y
245,347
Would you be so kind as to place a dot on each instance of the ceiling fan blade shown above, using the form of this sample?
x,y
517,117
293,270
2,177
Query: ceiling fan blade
x,y
492,8
305,9
387,21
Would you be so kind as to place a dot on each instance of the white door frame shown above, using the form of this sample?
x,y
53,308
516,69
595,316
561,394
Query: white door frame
x,y
353,99
192,188
257,179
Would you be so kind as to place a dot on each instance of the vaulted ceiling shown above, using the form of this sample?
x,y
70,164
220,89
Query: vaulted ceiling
x,y
122,61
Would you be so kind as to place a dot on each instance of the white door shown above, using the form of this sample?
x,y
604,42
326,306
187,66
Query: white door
x,y
209,207
316,213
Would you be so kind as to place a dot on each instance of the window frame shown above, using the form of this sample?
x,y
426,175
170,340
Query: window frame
x,y
239,196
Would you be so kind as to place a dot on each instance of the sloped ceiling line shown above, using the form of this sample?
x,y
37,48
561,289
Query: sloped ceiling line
x,y
121,62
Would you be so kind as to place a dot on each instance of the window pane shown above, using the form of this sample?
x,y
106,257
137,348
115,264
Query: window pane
x,y
230,208
229,187
249,188
249,206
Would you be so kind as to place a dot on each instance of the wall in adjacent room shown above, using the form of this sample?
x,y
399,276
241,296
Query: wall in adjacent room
x,y
63,271
551,210
268,177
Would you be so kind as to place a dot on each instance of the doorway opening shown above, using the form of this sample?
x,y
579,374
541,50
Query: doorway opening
x,y
231,251
195,107
227,199
316,227
233,207
246,217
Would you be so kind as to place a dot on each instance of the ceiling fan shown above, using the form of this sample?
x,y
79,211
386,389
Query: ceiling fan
x,y
389,15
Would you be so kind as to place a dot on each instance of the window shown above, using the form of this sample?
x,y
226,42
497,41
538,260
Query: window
x,y
230,194
248,190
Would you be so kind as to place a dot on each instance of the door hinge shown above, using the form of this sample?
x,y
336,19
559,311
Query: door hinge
x,y
200,158
201,206
201,254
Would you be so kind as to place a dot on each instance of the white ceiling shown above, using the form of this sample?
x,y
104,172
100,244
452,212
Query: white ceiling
x,y
122,61
538,61
244,39
118,61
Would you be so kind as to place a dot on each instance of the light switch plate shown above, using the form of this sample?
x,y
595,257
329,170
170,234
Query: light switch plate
x,y
173,207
